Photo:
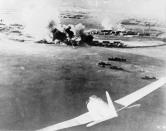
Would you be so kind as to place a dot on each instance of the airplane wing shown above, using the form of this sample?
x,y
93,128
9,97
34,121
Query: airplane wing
x,y
99,121
80,120
133,97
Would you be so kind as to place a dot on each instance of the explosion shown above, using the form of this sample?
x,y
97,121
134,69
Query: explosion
x,y
70,35
42,21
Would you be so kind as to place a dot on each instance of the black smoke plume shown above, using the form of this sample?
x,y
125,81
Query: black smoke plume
x,y
69,32
61,36
74,35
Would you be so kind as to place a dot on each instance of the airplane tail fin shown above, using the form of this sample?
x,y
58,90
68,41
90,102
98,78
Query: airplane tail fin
x,y
112,112
111,105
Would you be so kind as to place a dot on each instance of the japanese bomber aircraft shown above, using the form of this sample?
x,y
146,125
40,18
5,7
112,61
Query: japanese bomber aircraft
x,y
99,110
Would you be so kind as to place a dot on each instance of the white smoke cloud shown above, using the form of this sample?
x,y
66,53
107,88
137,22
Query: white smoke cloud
x,y
37,16
106,23
79,29
34,14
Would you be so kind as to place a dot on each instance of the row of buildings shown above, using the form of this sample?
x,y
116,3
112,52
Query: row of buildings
x,y
118,33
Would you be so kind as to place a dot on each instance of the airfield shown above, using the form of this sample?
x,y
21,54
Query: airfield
x,y
42,85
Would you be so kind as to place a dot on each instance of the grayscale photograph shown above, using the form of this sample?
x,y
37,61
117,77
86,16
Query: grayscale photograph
x,y
82,65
